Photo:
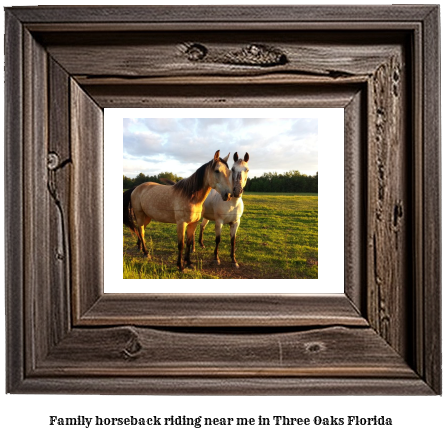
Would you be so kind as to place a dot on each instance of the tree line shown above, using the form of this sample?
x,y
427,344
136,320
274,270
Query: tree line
x,y
292,181
129,183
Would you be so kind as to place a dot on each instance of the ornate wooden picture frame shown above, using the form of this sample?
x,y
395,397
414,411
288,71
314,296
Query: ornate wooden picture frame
x,y
64,65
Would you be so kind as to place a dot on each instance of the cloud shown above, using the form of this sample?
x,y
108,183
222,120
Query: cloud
x,y
142,144
181,145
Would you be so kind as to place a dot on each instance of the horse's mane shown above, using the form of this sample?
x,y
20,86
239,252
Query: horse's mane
x,y
189,186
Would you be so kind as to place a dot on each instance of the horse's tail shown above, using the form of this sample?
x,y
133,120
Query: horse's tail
x,y
128,214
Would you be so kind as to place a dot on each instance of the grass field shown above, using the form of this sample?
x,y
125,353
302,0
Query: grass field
x,y
277,238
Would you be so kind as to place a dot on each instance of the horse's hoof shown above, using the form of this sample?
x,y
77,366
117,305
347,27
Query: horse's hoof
x,y
147,256
216,262
235,265
190,266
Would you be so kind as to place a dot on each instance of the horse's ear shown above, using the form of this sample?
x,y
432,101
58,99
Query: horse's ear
x,y
235,157
216,156
227,157
246,157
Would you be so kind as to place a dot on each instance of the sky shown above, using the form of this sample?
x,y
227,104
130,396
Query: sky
x,y
182,145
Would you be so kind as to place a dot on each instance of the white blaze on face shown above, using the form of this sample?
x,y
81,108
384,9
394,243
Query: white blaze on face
x,y
240,176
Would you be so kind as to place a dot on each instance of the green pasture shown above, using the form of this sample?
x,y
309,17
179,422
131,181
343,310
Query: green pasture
x,y
277,238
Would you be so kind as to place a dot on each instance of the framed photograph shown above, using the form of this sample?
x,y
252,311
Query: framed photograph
x,y
279,236
378,331
282,218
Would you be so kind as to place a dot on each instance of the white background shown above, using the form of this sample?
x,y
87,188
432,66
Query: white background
x,y
331,203
24,415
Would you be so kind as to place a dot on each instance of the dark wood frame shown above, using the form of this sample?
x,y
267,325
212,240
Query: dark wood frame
x,y
64,65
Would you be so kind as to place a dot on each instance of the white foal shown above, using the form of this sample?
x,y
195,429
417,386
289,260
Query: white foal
x,y
226,212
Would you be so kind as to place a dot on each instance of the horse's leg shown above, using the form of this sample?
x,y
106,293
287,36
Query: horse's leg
x,y
139,239
137,234
190,230
193,239
234,228
136,231
142,236
193,242
202,228
180,243
218,228
143,220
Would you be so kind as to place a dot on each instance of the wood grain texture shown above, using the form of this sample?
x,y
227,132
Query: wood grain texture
x,y
206,310
37,201
355,187
14,237
418,357
222,96
288,386
160,54
431,316
129,351
64,65
86,197
224,14
388,203
59,166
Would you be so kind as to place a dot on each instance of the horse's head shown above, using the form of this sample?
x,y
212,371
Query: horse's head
x,y
219,176
239,171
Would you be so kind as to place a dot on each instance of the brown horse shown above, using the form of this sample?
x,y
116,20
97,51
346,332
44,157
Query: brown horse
x,y
222,212
181,203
